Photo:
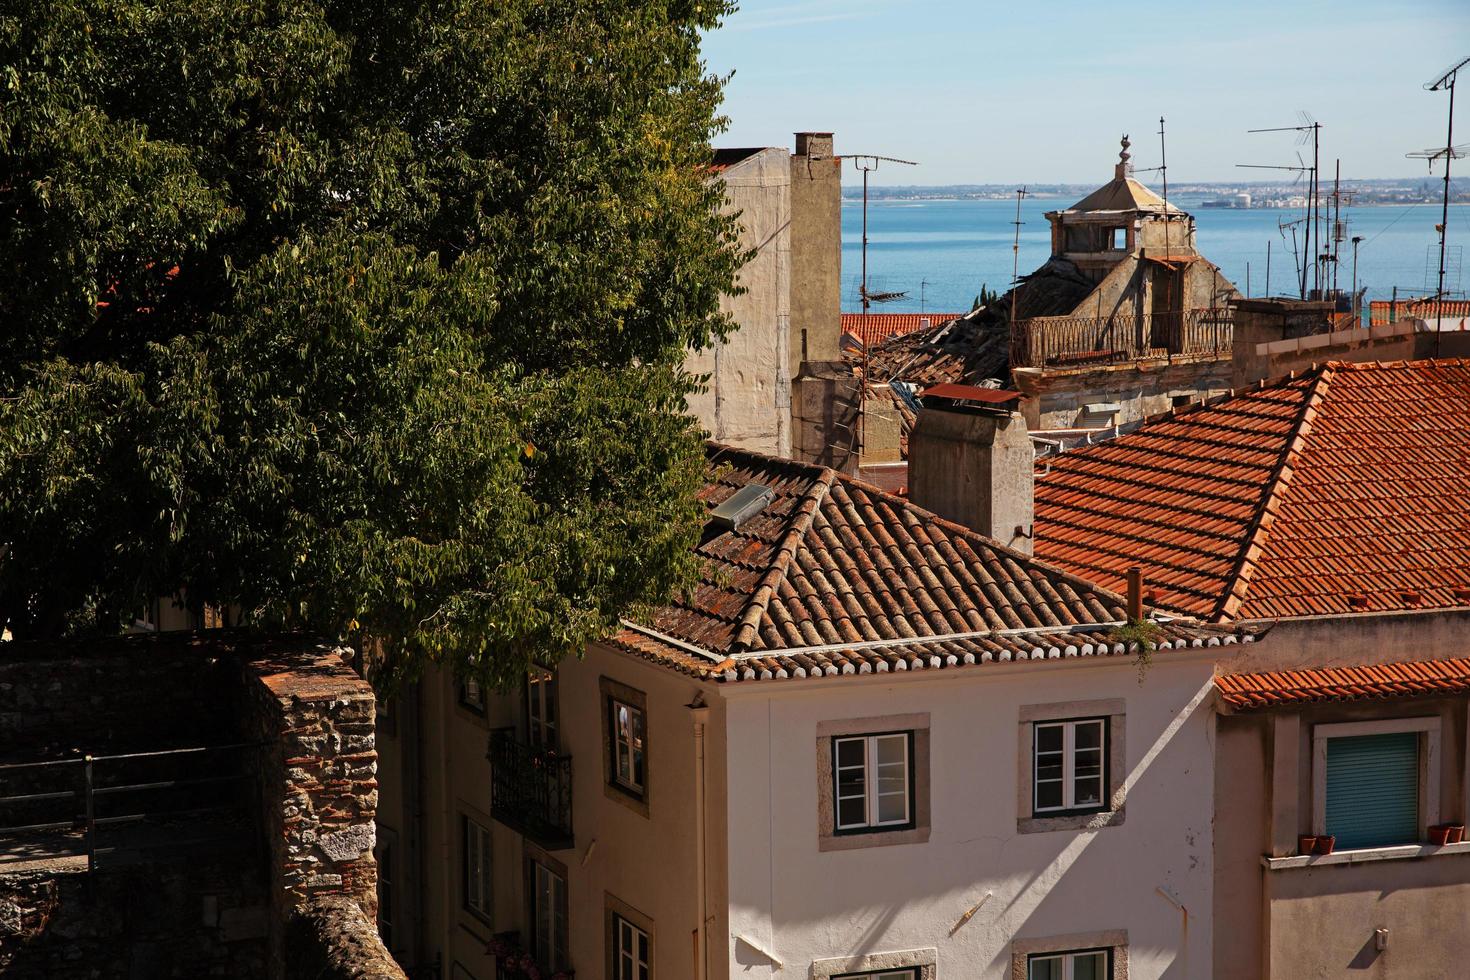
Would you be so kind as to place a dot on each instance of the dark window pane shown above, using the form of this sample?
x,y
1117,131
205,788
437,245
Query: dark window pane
x,y
1048,738
850,752
1088,735
1048,795
850,812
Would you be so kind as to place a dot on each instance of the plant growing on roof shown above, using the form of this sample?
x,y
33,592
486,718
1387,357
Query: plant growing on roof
x,y
1140,636
360,317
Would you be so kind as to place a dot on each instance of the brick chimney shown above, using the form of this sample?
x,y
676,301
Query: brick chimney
x,y
972,464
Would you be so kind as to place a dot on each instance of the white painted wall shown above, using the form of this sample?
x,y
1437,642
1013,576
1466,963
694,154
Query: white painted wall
x,y
801,904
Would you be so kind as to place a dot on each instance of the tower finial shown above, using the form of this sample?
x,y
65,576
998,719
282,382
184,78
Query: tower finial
x,y
1121,170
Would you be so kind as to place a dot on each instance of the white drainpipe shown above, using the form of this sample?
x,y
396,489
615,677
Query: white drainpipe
x,y
699,713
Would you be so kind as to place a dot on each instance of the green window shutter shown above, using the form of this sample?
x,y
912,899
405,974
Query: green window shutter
x,y
1373,789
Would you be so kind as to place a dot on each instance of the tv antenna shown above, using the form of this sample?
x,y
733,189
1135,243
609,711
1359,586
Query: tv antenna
x,y
1308,129
867,163
1448,153
1163,170
1016,254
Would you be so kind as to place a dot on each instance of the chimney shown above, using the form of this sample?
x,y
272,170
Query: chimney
x,y
971,461
818,146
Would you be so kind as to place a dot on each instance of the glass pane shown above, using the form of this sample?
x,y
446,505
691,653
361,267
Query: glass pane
x,y
1090,966
1048,795
1049,767
892,750
1088,762
1044,968
893,809
638,764
851,813
850,752
1088,792
850,782
1048,738
1088,735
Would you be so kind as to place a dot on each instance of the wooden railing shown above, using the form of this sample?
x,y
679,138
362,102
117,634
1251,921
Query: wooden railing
x,y
1064,341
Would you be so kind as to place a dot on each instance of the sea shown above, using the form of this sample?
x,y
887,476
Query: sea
x,y
939,253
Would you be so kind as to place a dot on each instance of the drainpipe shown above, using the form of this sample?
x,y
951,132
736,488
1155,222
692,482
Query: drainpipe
x,y
699,714
446,828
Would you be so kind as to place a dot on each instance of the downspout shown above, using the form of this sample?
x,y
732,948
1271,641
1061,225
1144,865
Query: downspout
x,y
446,845
699,714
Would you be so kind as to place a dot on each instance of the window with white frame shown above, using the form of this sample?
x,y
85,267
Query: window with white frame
x,y
541,708
1083,964
1069,766
478,880
1372,783
632,954
626,734
872,779
882,975
548,917
472,695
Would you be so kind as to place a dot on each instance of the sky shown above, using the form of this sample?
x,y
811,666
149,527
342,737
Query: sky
x,y
1026,91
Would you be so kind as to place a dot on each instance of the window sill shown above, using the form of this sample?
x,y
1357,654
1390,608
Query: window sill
x,y
1396,853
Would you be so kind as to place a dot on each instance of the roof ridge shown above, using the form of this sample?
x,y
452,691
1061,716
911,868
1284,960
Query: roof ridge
x,y
801,521
1276,488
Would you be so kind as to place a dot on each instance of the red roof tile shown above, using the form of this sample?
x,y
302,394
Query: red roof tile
x,y
1341,489
835,576
1425,678
874,328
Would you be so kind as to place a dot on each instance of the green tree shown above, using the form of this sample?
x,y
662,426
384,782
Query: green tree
x,y
365,317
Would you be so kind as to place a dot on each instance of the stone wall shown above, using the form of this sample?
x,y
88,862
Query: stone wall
x,y
319,780
331,938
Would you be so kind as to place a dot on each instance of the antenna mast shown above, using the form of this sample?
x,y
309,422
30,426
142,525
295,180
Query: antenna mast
x,y
1016,255
1313,212
1450,152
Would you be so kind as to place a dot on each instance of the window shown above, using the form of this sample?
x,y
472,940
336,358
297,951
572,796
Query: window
x,y
872,781
541,713
478,881
882,975
1069,766
387,857
548,916
626,722
472,695
631,952
1086,964
1118,239
1369,785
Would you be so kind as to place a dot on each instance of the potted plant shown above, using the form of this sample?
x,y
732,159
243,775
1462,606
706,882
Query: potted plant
x,y
1324,844
1457,832
1305,843
1439,834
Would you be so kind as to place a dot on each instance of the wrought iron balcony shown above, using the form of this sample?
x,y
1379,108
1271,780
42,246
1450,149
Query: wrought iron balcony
x,y
531,790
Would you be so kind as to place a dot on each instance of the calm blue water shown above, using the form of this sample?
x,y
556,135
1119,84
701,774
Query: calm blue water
x,y
942,251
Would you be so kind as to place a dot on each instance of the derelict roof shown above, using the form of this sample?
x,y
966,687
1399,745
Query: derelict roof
x,y
1341,489
1122,194
726,157
835,576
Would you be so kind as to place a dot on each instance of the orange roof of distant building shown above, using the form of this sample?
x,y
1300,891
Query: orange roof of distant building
x,y
874,328
1425,678
1342,489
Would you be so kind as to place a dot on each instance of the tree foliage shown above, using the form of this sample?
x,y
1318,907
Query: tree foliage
x,y
361,316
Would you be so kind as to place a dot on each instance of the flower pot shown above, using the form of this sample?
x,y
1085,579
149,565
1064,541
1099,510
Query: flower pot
x,y
1439,834
1305,843
1324,845
1457,832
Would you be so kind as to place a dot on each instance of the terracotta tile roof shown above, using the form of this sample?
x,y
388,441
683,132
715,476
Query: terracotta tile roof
x,y
1342,489
874,328
835,576
1425,678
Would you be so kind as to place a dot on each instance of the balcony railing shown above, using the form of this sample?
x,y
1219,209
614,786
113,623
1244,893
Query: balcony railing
x,y
531,790
1076,341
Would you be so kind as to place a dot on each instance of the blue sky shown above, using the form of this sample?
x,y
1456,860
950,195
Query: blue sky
x,y
1040,91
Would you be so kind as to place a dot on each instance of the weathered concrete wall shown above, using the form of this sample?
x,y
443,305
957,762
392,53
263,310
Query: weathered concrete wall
x,y
825,400
816,251
747,401
1056,398
331,938
976,470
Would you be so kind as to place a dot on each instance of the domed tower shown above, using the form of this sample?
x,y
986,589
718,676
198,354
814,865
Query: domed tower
x,y
1120,219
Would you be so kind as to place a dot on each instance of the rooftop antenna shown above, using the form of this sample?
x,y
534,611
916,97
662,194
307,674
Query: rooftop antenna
x,y
1016,253
923,284
1163,170
1449,152
867,163
1309,129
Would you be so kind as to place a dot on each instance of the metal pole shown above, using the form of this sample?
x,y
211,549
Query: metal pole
x,y
1444,221
1357,311
91,814
1268,268
1247,281
1164,173
864,286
